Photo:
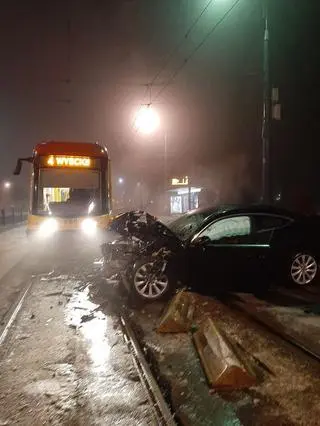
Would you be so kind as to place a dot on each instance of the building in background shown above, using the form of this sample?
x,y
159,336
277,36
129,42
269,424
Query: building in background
x,y
183,196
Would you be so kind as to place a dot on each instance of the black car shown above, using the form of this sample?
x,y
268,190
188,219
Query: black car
x,y
215,249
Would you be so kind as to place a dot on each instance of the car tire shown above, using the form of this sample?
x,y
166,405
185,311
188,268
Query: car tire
x,y
303,269
148,285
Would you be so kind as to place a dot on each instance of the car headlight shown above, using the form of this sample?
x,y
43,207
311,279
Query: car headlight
x,y
48,227
89,226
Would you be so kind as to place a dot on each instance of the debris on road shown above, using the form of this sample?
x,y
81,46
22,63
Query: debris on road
x,y
87,317
23,336
54,293
73,326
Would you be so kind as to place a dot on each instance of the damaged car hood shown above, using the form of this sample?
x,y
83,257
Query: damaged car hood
x,y
143,226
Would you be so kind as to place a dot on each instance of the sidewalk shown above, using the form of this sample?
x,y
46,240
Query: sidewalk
x,y
10,226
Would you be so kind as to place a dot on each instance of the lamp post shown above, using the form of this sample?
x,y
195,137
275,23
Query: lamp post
x,y
121,186
165,157
266,113
265,195
147,121
140,197
5,197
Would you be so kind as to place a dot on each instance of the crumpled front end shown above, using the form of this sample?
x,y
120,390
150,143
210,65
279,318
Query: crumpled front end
x,y
137,235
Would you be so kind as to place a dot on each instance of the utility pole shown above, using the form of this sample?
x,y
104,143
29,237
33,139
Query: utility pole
x,y
165,167
266,114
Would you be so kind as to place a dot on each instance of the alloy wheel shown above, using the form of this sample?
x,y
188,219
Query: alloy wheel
x,y
304,269
148,283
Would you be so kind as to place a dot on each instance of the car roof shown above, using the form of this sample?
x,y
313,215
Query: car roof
x,y
240,209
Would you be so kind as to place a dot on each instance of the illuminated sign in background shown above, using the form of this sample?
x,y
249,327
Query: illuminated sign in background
x,y
67,161
180,182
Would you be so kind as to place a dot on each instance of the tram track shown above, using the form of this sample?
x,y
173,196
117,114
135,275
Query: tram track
x,y
271,326
161,412
159,405
13,312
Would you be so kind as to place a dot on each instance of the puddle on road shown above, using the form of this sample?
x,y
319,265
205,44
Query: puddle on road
x,y
84,315
110,383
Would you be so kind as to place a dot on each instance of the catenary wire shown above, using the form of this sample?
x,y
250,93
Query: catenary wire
x,y
195,50
180,44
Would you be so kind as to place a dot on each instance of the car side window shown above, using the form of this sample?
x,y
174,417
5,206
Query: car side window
x,y
231,230
264,223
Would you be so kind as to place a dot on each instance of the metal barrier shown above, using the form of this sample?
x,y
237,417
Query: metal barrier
x,y
12,216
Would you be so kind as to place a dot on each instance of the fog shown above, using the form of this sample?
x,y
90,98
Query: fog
x,y
80,72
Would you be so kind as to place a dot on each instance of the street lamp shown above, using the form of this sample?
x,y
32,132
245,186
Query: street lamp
x,y
147,121
120,180
7,185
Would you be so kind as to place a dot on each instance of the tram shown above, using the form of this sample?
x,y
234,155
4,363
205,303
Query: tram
x,y
70,188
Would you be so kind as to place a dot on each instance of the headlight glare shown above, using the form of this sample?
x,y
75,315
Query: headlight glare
x,y
48,227
89,226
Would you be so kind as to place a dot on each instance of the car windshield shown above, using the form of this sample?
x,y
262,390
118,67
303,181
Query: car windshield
x,y
186,225
189,223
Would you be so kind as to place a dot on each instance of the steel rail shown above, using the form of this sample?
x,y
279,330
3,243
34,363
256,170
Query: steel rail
x,y
273,328
13,312
161,410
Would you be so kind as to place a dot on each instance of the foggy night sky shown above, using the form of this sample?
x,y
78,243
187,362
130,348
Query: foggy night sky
x,y
87,85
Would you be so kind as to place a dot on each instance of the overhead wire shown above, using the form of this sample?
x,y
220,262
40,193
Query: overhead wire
x,y
180,43
170,56
195,50
186,60
146,91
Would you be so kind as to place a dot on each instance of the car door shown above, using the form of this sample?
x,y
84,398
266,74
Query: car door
x,y
222,252
268,228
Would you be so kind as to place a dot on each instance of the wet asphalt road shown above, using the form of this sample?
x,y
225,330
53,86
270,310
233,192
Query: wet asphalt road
x,y
64,362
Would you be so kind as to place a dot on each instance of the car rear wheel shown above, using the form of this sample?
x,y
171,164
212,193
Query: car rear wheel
x,y
304,269
149,282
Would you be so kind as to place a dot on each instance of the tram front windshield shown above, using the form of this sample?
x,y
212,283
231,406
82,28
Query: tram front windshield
x,y
69,193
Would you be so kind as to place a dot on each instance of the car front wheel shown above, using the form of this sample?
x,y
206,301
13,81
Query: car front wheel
x,y
304,269
149,281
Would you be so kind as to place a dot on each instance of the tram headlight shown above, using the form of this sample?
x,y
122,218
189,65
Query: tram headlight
x,y
89,226
48,227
